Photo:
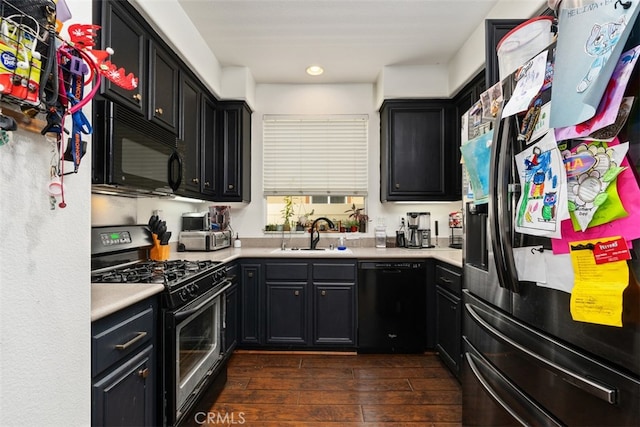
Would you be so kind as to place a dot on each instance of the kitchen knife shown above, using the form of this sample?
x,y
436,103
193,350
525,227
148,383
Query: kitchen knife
x,y
153,223
164,240
161,229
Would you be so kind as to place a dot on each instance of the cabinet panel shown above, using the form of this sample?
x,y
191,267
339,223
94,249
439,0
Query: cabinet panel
x,y
126,396
286,271
210,154
119,336
234,143
189,143
123,369
416,157
286,313
334,315
251,304
449,278
163,83
127,38
334,271
449,337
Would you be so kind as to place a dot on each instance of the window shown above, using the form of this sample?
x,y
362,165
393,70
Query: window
x,y
318,163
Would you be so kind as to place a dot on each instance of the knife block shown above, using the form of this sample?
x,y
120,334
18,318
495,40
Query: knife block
x,y
158,252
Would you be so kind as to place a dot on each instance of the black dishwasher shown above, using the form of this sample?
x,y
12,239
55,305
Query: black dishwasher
x,y
391,306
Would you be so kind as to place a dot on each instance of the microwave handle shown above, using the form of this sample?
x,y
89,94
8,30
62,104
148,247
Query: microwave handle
x,y
175,183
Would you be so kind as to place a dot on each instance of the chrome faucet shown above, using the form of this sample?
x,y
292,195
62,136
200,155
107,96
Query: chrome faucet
x,y
314,242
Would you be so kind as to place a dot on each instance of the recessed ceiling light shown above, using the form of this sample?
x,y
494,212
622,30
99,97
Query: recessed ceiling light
x,y
314,70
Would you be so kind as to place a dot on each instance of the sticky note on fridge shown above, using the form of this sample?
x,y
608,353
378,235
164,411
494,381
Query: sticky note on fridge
x,y
597,290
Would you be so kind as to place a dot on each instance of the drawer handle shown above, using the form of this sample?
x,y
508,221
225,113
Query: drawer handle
x,y
137,97
296,293
159,111
195,180
131,342
445,280
143,373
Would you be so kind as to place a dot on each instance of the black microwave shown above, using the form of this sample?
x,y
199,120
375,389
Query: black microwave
x,y
132,155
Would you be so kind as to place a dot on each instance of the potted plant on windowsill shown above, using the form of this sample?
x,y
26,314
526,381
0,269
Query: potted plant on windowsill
x,y
358,218
287,213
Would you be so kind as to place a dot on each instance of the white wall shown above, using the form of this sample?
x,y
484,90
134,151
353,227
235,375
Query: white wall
x,y
45,295
248,220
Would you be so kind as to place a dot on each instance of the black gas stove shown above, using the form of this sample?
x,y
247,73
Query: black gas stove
x,y
120,254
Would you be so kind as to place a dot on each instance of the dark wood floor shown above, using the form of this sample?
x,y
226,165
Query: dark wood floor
x,y
346,390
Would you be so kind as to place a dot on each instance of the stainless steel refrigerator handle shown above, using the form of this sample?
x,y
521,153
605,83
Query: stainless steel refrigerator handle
x,y
547,418
606,393
505,220
494,205
491,391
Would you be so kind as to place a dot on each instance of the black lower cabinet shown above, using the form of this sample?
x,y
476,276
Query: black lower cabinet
x,y
251,306
123,367
286,313
449,316
334,303
334,314
298,304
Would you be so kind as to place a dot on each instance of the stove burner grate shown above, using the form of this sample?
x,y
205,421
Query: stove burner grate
x,y
162,272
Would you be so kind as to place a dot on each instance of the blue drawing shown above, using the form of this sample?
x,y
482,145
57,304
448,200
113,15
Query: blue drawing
x,y
600,43
549,206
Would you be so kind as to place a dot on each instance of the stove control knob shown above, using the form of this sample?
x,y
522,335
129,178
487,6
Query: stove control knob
x,y
184,294
192,288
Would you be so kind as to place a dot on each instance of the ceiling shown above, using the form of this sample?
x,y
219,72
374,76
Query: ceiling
x,y
352,39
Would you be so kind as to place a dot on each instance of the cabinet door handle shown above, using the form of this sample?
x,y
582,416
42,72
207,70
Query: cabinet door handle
x,y
250,274
132,341
143,373
323,293
137,97
230,186
195,180
159,111
444,279
207,184
397,186
296,293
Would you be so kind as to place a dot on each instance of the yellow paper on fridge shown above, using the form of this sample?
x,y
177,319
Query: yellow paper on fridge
x,y
597,290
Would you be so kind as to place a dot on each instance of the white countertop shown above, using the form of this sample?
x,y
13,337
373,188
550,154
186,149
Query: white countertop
x,y
451,256
107,298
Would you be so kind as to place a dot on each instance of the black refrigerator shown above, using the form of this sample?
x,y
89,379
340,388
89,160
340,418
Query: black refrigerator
x,y
525,360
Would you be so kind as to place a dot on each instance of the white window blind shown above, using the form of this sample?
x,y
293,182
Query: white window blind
x,y
315,155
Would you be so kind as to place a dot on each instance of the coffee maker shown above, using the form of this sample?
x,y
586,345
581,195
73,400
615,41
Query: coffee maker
x,y
419,224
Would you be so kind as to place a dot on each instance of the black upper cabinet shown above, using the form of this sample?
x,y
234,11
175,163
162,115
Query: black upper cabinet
x,y
495,30
209,149
189,141
417,154
163,87
234,150
139,51
127,37
462,102
214,137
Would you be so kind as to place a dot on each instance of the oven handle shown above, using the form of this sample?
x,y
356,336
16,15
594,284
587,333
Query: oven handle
x,y
181,315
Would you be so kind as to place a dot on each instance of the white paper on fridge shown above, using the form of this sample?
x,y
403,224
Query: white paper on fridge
x,y
559,272
530,264
543,179
530,80
591,37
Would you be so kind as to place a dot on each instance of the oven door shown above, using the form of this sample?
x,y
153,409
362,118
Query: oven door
x,y
193,349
